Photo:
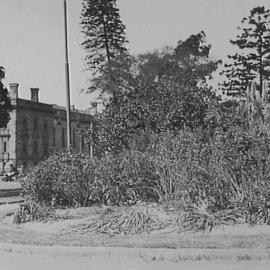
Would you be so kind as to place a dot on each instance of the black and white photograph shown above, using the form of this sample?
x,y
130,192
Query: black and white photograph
x,y
134,134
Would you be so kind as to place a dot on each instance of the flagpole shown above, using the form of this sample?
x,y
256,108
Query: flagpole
x,y
67,79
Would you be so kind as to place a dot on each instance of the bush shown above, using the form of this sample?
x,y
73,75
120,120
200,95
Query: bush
x,y
67,179
30,211
63,179
227,171
126,178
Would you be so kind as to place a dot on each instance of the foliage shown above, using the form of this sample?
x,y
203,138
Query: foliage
x,y
63,180
126,179
126,220
30,211
162,91
67,179
253,58
200,218
115,77
221,116
188,168
5,104
226,174
150,108
104,32
192,58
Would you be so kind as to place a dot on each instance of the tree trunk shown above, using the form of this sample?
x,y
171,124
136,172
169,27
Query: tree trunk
x,y
106,40
260,64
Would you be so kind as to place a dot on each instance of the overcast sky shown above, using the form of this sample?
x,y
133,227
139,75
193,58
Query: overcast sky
x,y
32,37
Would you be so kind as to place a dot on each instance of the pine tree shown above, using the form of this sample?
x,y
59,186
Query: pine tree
x,y
104,32
253,59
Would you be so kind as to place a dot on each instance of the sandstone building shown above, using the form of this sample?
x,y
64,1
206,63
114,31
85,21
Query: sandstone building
x,y
37,130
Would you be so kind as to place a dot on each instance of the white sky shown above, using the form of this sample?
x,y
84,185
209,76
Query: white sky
x,y
32,37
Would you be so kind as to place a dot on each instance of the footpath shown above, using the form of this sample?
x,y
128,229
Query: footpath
x,y
10,192
146,254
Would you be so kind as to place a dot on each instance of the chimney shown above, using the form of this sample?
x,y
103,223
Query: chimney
x,y
14,90
34,94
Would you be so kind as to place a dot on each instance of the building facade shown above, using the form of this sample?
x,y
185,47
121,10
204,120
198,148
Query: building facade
x,y
37,130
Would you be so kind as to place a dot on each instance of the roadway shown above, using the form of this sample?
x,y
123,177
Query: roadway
x,y
13,261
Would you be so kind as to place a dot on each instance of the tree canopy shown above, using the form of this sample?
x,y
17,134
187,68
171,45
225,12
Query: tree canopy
x,y
158,91
104,32
253,57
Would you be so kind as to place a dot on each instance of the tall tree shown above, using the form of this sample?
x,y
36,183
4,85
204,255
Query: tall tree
x,y
5,104
164,91
253,59
104,31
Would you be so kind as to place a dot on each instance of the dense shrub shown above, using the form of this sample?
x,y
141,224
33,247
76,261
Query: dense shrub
x,y
127,178
63,179
67,179
229,172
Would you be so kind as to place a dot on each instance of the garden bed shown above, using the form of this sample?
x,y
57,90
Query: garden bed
x,y
69,229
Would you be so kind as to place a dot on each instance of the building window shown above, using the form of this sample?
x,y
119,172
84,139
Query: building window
x,y
74,138
5,147
24,167
35,123
45,127
45,150
24,149
25,128
45,124
63,138
35,127
53,136
35,148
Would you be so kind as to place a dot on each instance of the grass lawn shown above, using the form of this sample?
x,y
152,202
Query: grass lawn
x,y
68,230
